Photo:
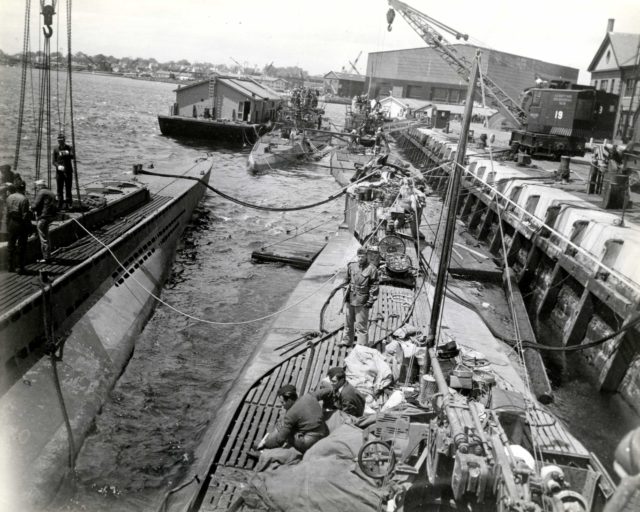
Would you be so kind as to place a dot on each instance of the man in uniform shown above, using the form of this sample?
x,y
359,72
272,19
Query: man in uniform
x,y
361,294
18,228
303,423
63,163
341,395
46,210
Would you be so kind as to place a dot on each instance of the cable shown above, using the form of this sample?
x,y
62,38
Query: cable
x,y
584,346
187,315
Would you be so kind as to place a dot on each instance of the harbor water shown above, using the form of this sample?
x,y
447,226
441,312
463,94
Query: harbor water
x,y
144,439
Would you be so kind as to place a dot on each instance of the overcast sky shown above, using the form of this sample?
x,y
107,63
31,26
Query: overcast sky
x,y
321,35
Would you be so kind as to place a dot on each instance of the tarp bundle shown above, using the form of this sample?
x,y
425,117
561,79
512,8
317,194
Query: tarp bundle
x,y
323,481
368,372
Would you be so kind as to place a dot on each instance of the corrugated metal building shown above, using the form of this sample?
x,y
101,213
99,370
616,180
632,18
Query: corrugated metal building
x,y
345,85
421,73
227,97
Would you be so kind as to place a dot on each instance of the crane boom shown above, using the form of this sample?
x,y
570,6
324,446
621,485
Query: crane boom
x,y
422,25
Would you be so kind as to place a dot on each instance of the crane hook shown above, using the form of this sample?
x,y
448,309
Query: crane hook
x,y
391,15
48,11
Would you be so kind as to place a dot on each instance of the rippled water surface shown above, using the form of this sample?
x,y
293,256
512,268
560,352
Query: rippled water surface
x,y
144,438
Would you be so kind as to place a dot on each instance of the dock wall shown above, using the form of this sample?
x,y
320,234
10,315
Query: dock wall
x,y
570,298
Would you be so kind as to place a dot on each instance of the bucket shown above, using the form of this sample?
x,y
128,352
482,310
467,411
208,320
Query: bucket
x,y
428,388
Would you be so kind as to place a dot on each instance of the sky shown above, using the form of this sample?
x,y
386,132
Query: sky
x,y
320,35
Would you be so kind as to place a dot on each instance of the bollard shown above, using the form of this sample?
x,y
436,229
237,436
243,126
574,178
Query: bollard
x,y
615,192
564,172
592,183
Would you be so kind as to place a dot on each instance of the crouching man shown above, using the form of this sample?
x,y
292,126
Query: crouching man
x,y
341,395
303,423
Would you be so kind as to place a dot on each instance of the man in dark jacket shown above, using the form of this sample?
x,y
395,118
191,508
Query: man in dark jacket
x,y
63,163
303,423
18,228
46,210
362,292
341,395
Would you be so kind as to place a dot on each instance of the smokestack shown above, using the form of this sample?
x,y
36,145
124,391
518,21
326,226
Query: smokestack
x,y
610,23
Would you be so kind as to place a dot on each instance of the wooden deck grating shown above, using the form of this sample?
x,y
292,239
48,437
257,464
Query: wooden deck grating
x,y
259,411
15,288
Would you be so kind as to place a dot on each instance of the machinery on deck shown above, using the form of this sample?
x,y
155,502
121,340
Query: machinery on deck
x,y
551,121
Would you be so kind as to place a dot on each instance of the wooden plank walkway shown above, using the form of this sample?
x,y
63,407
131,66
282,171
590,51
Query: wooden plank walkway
x,y
299,253
15,288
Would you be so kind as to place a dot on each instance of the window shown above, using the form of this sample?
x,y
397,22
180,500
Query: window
x,y
608,56
628,87
604,84
414,91
613,85
440,94
595,84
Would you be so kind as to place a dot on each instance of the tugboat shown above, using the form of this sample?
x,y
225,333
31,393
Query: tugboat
x,y
295,136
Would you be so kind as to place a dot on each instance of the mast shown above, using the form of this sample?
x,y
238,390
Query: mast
x,y
452,208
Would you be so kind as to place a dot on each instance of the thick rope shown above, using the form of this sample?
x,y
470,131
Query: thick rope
x,y
244,203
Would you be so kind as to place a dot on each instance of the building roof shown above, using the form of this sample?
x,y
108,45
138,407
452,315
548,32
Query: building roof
x,y
269,78
459,109
345,76
243,85
250,87
410,103
191,85
513,73
625,49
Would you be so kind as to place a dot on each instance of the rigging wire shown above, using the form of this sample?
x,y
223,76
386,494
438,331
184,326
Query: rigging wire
x,y
187,315
23,81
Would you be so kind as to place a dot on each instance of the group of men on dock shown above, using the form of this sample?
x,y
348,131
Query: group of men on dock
x,y
19,213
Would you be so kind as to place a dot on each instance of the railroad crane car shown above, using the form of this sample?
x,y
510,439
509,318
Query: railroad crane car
x,y
552,121
561,120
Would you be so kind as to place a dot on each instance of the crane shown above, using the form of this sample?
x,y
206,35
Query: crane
x,y
424,27
240,66
353,64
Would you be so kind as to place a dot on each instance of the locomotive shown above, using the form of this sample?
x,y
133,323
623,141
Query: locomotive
x,y
561,119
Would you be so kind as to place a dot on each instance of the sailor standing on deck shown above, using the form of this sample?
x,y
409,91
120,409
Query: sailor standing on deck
x,y
18,228
46,210
63,157
361,294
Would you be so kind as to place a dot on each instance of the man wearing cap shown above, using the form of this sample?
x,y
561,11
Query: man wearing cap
x,y
63,163
18,228
361,294
341,395
303,424
46,210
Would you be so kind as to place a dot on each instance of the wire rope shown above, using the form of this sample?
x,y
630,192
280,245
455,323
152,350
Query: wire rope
x,y
187,315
